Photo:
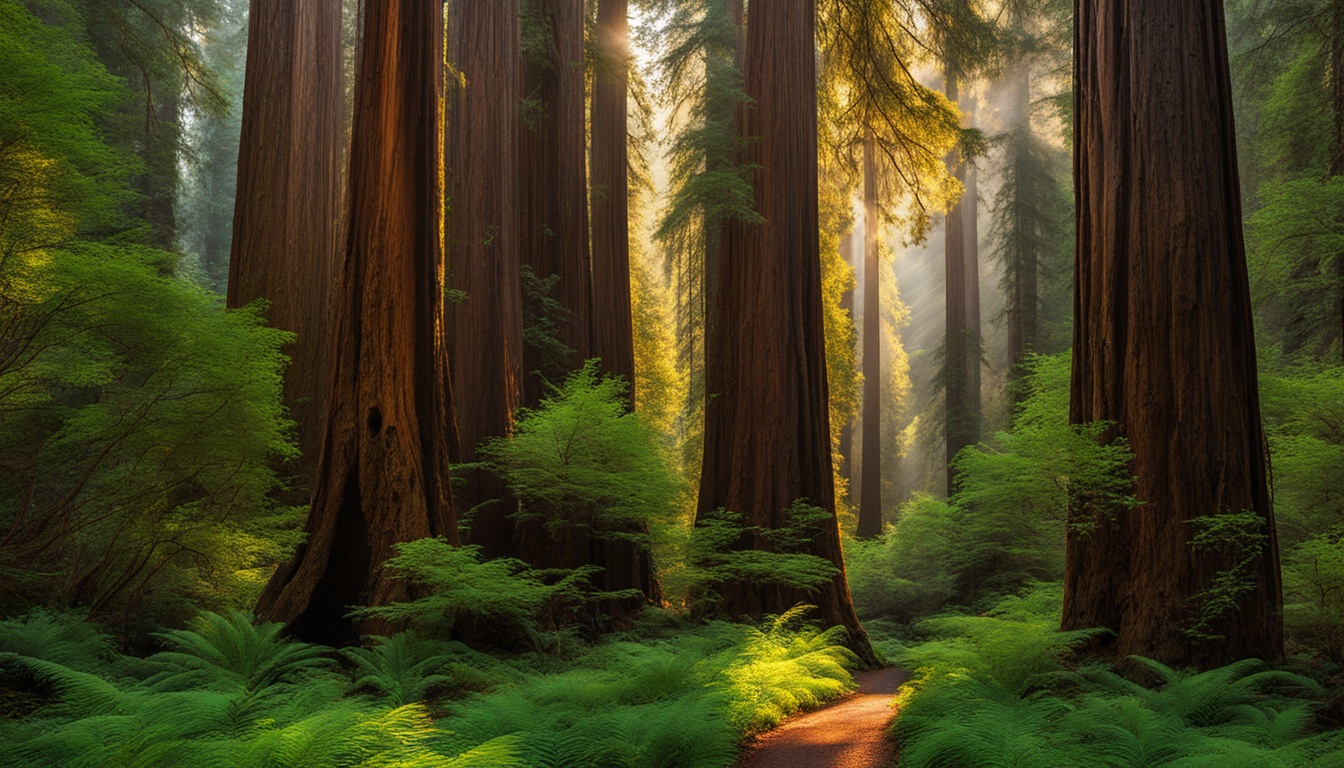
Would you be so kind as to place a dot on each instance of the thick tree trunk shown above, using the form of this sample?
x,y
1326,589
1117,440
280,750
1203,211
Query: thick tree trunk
x,y
626,565
870,495
613,328
1163,342
554,191
485,331
767,436
288,208
383,477
960,422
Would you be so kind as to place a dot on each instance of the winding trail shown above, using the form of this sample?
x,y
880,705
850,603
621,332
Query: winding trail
x,y
847,734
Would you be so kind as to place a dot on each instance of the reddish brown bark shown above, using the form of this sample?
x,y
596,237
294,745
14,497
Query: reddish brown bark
x,y
1021,302
613,328
485,331
554,189
383,477
767,434
870,494
1163,341
288,209
971,221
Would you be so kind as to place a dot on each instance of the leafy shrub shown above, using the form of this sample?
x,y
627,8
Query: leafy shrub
x,y
140,422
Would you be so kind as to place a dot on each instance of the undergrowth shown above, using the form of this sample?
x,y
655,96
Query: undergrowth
x,y
993,691
233,692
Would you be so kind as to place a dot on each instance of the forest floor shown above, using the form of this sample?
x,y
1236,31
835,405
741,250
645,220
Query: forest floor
x,y
850,733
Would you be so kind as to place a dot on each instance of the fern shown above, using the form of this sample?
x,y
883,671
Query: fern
x,y
233,652
400,669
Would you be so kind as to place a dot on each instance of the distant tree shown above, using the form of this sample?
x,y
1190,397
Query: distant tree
x,y
1164,346
485,328
288,207
767,432
383,477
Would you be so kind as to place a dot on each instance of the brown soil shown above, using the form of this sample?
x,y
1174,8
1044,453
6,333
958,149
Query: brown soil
x,y
847,734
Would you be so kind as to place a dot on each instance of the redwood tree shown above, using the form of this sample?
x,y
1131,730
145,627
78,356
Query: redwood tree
x,y
767,433
383,476
612,326
287,214
485,330
554,185
961,413
1164,345
870,493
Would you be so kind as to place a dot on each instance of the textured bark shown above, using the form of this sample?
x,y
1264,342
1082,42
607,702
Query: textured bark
x,y
554,191
625,564
959,421
767,435
613,327
870,495
287,213
1163,340
383,477
485,332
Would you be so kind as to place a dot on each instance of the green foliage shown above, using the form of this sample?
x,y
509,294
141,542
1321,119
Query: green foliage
x,y
713,554
246,697
1313,595
542,315
140,426
993,692
581,458
504,596
1240,537
1004,527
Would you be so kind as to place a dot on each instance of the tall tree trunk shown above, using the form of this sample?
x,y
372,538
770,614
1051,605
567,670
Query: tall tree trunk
x,y
625,564
383,477
613,328
485,330
554,191
870,495
1163,343
288,206
767,434
1022,299
1337,151
847,434
960,426
971,221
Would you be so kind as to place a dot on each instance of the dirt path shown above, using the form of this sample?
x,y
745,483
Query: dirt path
x,y
847,734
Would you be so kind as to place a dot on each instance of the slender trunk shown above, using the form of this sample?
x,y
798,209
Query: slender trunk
x,y
767,434
971,233
1022,260
288,206
847,305
485,330
870,495
383,476
959,420
1164,345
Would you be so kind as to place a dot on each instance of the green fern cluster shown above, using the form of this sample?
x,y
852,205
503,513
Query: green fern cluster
x,y
685,701
229,692
990,691
232,692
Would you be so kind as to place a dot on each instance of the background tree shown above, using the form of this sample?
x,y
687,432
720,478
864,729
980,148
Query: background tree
x,y
554,187
287,216
767,431
485,328
1164,345
383,477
